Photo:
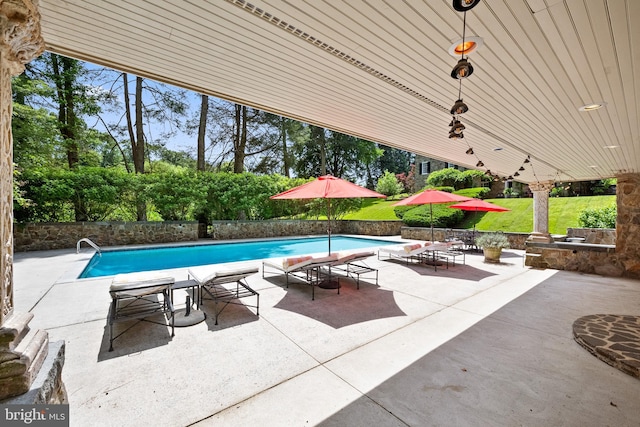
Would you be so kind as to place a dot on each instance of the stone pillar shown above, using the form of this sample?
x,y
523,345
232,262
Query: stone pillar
x,y
540,211
22,351
628,223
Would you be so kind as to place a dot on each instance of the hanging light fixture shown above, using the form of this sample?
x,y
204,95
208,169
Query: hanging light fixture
x,y
453,135
464,5
459,107
469,151
516,174
521,168
527,160
456,126
462,70
479,164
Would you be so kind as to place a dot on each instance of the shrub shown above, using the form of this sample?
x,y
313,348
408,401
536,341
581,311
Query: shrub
x,y
598,218
492,240
388,184
446,177
420,216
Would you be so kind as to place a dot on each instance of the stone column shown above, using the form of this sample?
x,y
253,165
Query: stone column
x,y
22,351
540,211
628,223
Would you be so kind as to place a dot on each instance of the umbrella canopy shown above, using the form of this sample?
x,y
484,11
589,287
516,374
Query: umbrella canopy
x,y
478,205
327,187
430,197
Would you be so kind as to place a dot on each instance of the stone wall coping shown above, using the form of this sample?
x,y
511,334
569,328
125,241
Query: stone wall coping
x,y
573,246
75,224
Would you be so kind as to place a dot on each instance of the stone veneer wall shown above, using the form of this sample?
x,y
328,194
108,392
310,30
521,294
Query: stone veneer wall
x,y
598,236
47,236
224,230
516,240
628,224
582,257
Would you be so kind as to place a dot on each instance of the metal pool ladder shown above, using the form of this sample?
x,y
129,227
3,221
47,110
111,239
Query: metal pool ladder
x,y
90,243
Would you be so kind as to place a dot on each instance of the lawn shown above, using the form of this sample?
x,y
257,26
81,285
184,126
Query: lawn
x,y
563,213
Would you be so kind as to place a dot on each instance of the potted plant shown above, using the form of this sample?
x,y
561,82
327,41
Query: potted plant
x,y
492,245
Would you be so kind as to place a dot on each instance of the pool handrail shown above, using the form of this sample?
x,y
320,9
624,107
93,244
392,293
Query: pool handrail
x,y
90,243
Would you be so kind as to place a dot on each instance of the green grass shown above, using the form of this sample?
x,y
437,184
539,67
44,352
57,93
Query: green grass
x,y
375,209
563,213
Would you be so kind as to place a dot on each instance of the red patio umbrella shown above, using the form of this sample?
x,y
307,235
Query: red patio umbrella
x,y
478,205
431,197
327,187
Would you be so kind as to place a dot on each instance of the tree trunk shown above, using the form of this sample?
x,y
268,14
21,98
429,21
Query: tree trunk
x,y
240,138
63,76
285,153
137,137
202,130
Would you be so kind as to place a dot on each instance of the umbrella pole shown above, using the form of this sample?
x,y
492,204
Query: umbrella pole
x,y
431,211
329,223
330,282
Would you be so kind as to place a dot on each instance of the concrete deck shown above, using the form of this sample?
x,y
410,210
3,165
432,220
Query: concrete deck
x,y
478,344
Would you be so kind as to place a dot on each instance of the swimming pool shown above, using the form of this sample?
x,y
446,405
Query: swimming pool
x,y
113,262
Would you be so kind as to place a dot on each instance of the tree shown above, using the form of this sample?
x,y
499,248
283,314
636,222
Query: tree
x,y
36,138
334,153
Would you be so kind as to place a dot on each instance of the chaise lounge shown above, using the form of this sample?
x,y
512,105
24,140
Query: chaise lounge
x,y
353,265
212,284
306,268
139,296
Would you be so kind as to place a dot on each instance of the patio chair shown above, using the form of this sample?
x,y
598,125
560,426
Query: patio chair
x,y
212,283
139,296
354,265
306,268
406,253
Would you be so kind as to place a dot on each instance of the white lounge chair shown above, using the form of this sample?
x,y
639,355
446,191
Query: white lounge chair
x,y
306,268
139,296
212,283
408,252
353,265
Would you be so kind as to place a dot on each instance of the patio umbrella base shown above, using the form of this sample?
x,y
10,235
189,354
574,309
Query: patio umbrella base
x,y
194,317
329,284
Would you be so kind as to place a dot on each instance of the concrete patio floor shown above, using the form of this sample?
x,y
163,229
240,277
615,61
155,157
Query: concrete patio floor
x,y
476,344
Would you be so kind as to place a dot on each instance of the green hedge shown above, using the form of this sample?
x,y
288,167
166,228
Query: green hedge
x,y
98,194
443,216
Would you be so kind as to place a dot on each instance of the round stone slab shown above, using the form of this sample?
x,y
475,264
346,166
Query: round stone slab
x,y
181,319
612,338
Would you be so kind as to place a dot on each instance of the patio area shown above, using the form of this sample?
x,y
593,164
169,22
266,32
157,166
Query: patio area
x,y
474,344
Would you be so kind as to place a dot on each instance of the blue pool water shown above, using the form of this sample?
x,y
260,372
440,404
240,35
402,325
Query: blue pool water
x,y
133,260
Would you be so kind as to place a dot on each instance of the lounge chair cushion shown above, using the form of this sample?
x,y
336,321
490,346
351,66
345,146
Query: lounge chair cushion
x,y
409,248
221,275
288,262
138,284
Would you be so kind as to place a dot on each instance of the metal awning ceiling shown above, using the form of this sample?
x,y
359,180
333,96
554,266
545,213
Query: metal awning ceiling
x,y
380,69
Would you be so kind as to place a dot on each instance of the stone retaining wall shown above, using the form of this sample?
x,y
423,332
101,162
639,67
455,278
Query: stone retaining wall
x,y
46,236
224,230
516,240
